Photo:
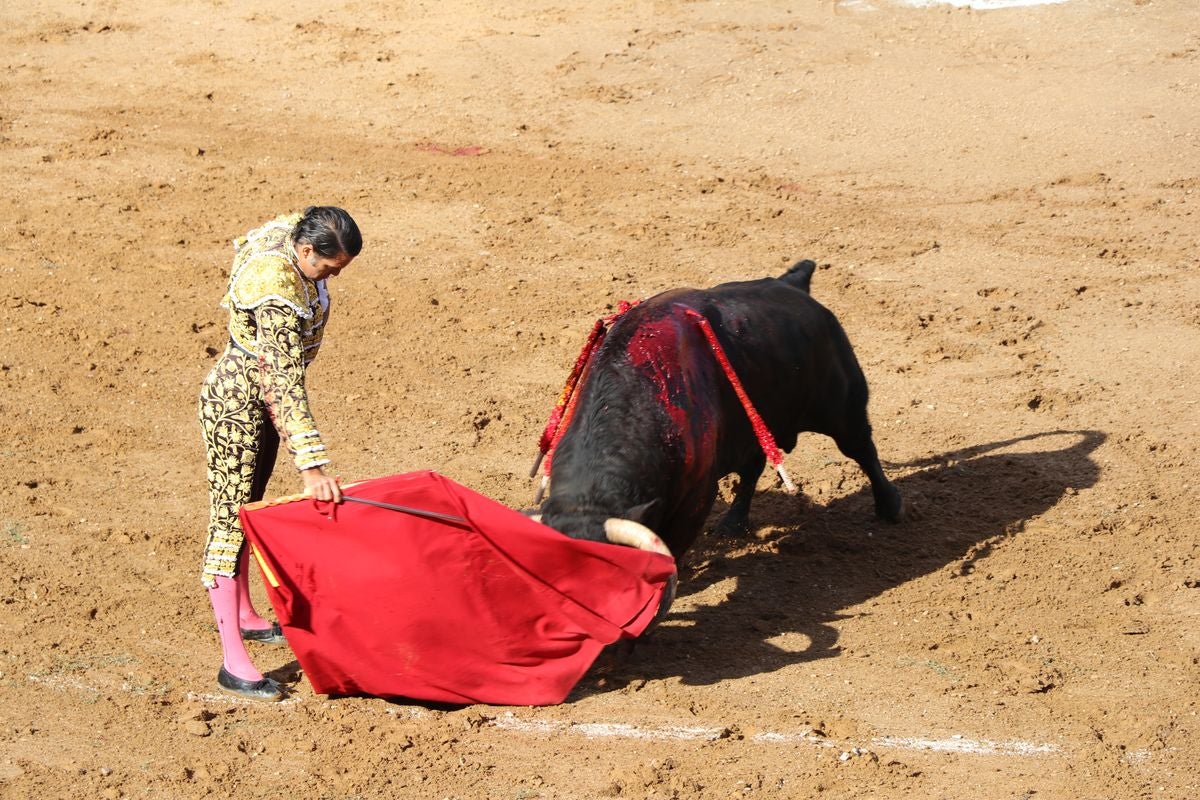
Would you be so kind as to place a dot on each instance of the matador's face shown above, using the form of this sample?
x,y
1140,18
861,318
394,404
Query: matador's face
x,y
318,267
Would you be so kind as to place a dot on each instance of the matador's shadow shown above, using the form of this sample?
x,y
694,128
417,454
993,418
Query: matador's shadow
x,y
807,564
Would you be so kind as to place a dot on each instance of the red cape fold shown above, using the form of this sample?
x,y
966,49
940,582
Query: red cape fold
x,y
499,609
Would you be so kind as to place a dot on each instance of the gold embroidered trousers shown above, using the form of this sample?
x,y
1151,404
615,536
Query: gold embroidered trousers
x,y
241,444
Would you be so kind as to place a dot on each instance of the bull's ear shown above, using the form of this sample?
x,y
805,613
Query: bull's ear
x,y
645,514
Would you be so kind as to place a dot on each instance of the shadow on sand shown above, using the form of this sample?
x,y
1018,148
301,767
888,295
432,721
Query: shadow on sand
x,y
804,564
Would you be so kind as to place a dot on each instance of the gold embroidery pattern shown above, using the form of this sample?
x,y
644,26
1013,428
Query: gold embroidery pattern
x,y
281,364
241,395
265,270
277,318
231,416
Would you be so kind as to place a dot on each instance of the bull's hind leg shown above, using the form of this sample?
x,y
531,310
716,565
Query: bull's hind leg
x,y
736,521
856,443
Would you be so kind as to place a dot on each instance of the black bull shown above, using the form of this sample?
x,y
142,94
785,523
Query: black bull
x,y
658,423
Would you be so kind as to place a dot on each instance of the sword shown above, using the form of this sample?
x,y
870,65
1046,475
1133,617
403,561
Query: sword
x,y
416,512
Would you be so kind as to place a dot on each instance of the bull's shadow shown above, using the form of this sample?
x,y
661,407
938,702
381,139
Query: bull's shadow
x,y
804,564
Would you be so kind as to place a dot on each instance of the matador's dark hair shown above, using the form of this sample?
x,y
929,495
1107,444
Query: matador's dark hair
x,y
330,230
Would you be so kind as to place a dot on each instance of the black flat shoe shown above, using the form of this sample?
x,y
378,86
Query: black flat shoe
x,y
271,635
261,689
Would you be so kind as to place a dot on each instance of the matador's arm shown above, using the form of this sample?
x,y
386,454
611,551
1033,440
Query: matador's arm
x,y
281,362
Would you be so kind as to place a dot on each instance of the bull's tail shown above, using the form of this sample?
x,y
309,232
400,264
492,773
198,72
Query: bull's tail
x,y
800,274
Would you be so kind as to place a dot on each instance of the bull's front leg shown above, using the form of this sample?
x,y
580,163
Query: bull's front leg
x,y
736,521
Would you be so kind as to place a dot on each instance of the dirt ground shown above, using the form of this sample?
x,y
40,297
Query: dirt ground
x,y
1005,205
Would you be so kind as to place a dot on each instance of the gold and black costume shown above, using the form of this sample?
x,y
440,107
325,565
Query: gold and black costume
x,y
255,393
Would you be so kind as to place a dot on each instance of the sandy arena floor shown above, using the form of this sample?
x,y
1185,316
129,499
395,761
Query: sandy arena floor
x,y
1006,208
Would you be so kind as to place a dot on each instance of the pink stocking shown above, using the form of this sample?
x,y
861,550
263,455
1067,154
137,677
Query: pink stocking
x,y
224,598
248,618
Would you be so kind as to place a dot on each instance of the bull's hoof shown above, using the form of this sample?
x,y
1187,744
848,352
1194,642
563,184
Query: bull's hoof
x,y
733,527
893,509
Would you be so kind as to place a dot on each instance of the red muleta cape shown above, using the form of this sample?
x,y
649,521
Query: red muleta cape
x,y
500,610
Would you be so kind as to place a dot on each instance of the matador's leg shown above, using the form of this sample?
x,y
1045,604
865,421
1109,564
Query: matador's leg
x,y
231,417
249,620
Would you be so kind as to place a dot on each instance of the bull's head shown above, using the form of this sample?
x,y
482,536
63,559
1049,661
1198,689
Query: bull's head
x,y
629,528
626,532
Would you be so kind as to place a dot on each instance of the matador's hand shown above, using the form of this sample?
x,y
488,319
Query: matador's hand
x,y
320,486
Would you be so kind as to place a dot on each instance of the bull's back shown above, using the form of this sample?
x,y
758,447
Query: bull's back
x,y
789,352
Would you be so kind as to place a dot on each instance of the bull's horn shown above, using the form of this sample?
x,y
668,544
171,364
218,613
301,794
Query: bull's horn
x,y
536,517
634,534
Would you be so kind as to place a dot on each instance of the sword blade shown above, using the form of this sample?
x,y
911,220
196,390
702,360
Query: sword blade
x,y
416,512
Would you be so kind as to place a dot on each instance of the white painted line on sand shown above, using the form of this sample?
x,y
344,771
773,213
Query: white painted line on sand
x,y
70,683
593,730
221,698
63,682
509,721
958,744
600,730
